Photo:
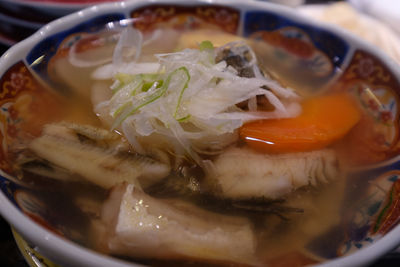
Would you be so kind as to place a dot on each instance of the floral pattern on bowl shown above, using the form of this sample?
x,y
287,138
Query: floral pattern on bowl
x,y
23,107
377,90
23,102
378,210
186,18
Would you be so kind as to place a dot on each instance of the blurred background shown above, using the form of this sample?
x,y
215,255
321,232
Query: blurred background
x,y
376,21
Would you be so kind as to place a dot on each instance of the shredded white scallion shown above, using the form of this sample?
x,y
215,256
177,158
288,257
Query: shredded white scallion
x,y
188,96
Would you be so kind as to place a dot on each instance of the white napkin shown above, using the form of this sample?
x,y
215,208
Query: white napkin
x,y
384,10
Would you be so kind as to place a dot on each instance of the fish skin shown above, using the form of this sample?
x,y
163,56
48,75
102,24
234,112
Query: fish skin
x,y
93,155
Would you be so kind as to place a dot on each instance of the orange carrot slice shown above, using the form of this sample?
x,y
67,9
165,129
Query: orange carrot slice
x,y
324,120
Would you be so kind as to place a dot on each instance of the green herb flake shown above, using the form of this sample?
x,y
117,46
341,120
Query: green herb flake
x,y
147,85
206,45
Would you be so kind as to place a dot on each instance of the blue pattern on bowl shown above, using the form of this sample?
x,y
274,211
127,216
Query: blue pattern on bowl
x,y
331,44
8,188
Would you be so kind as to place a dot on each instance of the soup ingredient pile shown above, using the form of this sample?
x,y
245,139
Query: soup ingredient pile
x,y
189,99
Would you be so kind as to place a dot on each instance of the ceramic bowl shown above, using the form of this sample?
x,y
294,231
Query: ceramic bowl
x,y
323,56
51,8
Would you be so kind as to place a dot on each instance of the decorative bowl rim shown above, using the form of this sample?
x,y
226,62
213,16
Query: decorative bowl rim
x,y
71,254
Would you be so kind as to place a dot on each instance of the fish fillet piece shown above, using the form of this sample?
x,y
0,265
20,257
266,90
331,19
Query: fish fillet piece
x,y
244,173
142,226
92,154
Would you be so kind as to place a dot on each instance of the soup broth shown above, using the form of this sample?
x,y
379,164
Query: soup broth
x,y
284,213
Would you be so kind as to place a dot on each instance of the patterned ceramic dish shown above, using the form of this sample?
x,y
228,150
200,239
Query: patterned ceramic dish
x,y
328,57
27,13
55,7
31,256
16,29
